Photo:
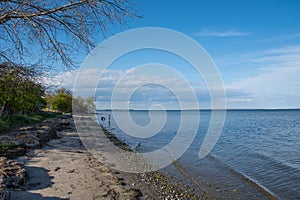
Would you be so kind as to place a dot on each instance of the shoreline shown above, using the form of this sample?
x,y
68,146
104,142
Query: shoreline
x,y
59,157
40,162
63,169
207,188
166,186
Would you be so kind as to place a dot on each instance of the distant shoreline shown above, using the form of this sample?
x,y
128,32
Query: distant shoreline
x,y
231,109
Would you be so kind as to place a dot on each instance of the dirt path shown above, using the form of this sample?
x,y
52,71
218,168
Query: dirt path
x,y
63,169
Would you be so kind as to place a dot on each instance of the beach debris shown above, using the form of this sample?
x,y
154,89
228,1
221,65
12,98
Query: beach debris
x,y
112,194
4,193
29,139
12,175
57,168
132,193
169,188
17,142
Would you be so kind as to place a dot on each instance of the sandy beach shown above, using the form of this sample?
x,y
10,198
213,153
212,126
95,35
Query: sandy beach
x,y
63,169
49,161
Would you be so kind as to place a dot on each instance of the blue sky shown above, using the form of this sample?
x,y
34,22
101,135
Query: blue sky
x,y
255,45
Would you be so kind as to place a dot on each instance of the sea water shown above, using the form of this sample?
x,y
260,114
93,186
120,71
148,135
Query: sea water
x,y
258,151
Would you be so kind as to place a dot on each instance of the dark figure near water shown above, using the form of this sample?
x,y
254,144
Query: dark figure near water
x,y
108,120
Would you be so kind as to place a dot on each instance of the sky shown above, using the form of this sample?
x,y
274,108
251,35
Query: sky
x,y
254,44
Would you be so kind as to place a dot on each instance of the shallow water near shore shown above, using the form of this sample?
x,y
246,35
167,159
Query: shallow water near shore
x,y
256,156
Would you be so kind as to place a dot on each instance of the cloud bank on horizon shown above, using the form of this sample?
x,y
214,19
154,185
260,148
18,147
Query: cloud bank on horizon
x,y
275,83
255,45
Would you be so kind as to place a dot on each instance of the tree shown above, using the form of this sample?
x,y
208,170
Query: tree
x,y
81,105
56,30
90,104
61,100
19,91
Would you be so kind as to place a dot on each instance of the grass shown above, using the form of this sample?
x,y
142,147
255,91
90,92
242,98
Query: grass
x,y
16,120
6,145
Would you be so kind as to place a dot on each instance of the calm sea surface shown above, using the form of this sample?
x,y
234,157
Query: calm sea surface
x,y
257,153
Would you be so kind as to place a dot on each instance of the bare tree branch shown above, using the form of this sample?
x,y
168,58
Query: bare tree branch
x,y
56,31
16,14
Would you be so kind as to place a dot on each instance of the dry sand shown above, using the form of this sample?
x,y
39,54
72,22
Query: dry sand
x,y
63,169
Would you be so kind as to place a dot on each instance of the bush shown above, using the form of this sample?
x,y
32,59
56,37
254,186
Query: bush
x,y
20,92
17,120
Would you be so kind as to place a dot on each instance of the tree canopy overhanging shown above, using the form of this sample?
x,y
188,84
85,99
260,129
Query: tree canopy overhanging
x,y
19,91
48,31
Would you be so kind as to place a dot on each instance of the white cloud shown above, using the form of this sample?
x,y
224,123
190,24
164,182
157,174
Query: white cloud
x,y
276,83
227,33
63,79
281,38
239,99
143,98
155,92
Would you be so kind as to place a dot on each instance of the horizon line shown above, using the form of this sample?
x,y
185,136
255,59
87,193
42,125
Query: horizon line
x,y
206,109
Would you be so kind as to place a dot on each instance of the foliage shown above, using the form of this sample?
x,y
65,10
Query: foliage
x,y
89,103
81,105
60,100
45,31
78,105
20,93
16,120
5,146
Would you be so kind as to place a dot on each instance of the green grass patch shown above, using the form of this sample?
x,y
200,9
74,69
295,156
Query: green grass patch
x,y
16,120
5,146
